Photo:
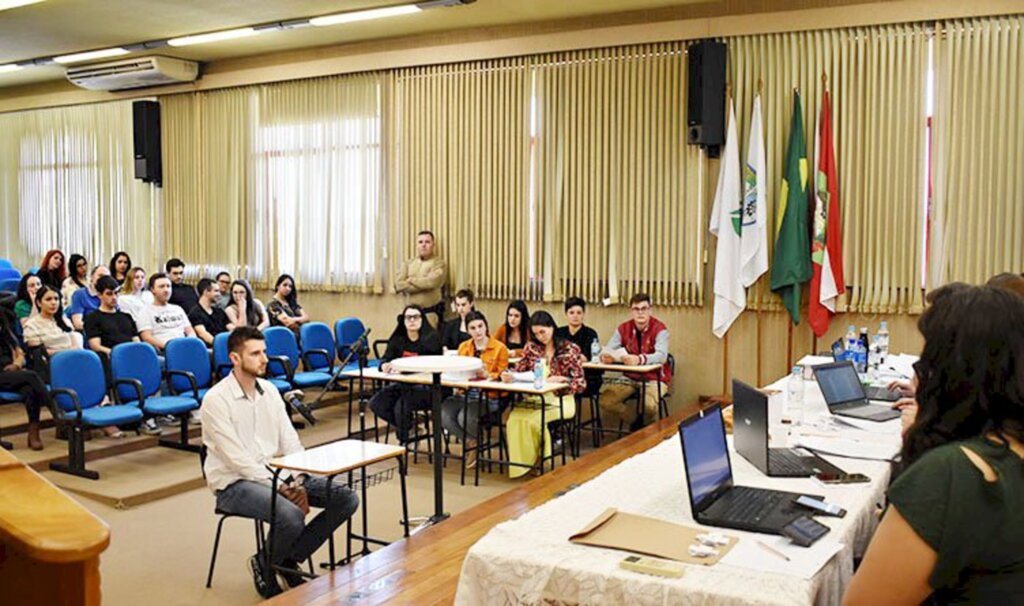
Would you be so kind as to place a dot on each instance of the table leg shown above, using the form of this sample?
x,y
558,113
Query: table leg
x,y
543,432
405,499
365,512
269,544
327,507
439,513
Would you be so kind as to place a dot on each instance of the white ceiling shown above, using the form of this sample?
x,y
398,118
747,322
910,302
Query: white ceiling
x,y
57,27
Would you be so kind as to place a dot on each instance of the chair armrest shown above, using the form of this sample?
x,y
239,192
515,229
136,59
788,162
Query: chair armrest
x,y
220,368
191,380
284,362
71,393
323,353
376,348
135,384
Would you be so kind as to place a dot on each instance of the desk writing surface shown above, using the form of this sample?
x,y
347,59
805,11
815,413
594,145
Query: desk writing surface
x,y
644,368
397,377
437,364
516,387
337,457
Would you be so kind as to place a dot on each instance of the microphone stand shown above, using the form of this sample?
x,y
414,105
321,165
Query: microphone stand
x,y
356,347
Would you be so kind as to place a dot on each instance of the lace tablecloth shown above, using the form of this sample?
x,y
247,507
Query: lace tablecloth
x,y
531,561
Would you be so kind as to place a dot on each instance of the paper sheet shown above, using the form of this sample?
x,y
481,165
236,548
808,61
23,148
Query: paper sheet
x,y
616,354
851,448
804,562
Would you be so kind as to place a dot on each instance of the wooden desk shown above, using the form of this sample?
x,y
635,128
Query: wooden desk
x,y
424,569
49,544
643,368
597,429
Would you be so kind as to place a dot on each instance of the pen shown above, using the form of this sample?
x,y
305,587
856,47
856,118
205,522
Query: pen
x,y
775,551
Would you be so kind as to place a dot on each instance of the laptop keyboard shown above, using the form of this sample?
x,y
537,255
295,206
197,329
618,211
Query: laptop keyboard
x,y
787,462
744,503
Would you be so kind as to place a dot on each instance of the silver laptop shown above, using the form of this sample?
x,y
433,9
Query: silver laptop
x,y
845,395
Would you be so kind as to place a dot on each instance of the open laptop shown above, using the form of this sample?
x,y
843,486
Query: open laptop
x,y
714,499
750,437
845,396
873,392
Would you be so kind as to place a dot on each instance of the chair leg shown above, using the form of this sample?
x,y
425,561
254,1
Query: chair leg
x,y
76,455
213,556
182,442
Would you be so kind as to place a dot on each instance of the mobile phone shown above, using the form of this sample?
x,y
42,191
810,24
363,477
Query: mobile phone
x,y
804,531
821,507
841,478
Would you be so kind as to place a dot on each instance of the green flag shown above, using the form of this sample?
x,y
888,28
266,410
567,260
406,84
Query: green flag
x,y
791,266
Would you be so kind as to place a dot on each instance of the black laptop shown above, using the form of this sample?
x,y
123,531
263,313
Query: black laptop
x,y
714,499
873,392
750,437
845,396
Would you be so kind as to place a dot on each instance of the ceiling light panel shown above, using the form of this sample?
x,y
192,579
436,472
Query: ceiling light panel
x,y
231,34
375,13
90,55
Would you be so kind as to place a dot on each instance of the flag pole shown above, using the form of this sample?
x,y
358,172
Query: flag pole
x,y
725,365
789,347
759,383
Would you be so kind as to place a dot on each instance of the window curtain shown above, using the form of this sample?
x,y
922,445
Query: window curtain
x,y
67,181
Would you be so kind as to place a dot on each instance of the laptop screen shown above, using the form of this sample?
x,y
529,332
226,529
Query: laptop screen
x,y
705,455
839,383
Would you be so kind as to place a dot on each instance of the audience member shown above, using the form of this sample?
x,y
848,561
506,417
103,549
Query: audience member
x,y
584,337
52,270
395,403
161,320
207,318
86,300
515,332
284,309
562,364
25,307
134,297
120,263
244,310
645,339
421,278
1007,281
460,413
15,377
244,426
48,329
107,327
182,294
455,331
224,281
78,276
953,531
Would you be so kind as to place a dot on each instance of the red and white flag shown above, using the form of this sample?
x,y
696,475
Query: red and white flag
x,y
827,244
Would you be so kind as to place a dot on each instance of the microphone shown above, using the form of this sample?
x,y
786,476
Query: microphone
x,y
294,401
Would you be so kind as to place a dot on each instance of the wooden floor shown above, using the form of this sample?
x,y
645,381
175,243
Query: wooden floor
x,y
424,569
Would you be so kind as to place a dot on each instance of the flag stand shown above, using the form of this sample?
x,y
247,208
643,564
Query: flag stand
x,y
759,347
789,348
725,365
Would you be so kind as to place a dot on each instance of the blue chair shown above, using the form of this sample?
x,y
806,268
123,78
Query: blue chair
x,y
317,347
79,386
9,273
6,264
10,284
33,271
222,363
283,351
136,371
346,333
188,367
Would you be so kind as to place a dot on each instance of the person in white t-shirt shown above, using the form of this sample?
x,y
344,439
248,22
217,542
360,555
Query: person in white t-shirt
x,y
133,296
160,321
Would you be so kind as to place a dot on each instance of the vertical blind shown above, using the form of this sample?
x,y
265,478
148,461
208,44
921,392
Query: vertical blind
x,y
978,205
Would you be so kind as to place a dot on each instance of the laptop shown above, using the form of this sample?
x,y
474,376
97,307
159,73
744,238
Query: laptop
x,y
873,392
845,396
714,499
750,437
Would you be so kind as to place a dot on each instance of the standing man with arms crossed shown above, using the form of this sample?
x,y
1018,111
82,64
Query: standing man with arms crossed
x,y
422,277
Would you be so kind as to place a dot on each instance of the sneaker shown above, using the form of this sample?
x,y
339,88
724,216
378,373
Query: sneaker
x,y
291,580
267,588
150,428
166,420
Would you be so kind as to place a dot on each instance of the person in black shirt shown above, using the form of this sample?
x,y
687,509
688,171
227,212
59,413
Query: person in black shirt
x,y
396,402
207,318
15,377
583,336
108,327
456,331
182,294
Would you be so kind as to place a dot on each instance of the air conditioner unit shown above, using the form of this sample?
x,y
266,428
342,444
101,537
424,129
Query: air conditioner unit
x,y
139,72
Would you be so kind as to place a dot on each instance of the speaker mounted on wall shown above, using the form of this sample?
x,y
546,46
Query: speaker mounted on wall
x,y
148,158
705,108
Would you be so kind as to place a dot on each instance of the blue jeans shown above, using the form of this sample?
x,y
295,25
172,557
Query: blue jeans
x,y
294,540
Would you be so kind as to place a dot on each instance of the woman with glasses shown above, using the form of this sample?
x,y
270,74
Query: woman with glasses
x,y
396,402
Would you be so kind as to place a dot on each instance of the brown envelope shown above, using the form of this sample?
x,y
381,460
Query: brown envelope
x,y
648,536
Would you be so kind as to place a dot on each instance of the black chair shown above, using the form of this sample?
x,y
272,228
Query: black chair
x,y
261,535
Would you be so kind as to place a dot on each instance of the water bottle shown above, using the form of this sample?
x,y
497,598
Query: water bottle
x,y
795,396
883,341
851,344
538,374
595,351
875,356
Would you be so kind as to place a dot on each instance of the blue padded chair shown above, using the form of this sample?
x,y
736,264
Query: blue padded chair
x,y
9,273
6,264
79,386
346,332
10,284
222,363
317,347
283,351
188,367
136,371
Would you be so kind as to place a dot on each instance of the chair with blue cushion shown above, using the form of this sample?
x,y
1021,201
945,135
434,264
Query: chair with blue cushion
x,y
6,264
9,273
79,386
283,352
137,377
346,333
188,367
317,347
10,285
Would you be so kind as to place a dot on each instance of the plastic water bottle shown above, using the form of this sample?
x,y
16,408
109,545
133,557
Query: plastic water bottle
x,y
862,351
851,344
795,396
595,351
538,375
875,356
883,341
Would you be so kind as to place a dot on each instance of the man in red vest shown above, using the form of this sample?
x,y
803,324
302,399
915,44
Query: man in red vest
x,y
645,339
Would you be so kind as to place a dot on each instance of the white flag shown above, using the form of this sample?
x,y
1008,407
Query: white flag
x,y
754,233
726,217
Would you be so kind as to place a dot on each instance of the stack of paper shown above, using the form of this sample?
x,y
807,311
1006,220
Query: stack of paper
x,y
804,562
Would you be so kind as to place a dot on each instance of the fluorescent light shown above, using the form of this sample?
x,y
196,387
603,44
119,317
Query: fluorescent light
x,y
89,55
6,4
230,34
9,67
374,13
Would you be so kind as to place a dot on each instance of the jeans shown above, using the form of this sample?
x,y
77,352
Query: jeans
x,y
460,418
396,403
294,540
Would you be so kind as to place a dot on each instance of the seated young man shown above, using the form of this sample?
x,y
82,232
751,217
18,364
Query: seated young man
x,y
645,339
584,337
207,318
161,321
244,426
456,332
86,300
107,326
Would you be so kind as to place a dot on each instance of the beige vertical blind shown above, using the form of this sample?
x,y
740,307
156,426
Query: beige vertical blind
x,y
463,139
876,77
618,189
67,181
978,206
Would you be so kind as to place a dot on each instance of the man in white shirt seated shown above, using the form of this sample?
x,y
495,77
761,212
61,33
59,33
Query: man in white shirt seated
x,y
161,321
244,426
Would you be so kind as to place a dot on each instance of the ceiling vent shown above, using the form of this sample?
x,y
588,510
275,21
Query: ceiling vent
x,y
126,74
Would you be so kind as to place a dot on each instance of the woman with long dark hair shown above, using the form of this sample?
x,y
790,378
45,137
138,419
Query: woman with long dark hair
x,y
284,309
244,309
52,270
514,332
120,263
14,376
954,530
25,306
48,328
78,277
562,361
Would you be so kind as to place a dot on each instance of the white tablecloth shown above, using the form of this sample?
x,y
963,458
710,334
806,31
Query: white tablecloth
x,y
530,560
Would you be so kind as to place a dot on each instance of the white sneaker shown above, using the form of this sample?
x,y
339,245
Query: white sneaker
x,y
149,427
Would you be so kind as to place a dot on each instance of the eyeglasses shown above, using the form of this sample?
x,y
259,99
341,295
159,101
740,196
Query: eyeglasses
x,y
414,317
641,310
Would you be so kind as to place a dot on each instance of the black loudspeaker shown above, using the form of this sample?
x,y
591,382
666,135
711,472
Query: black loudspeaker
x,y
148,160
705,107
